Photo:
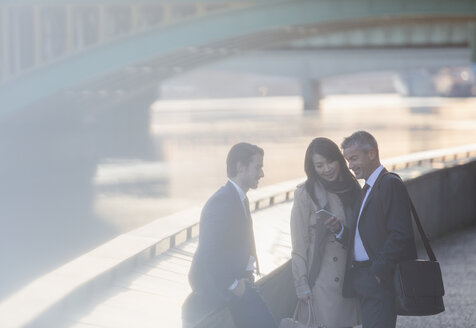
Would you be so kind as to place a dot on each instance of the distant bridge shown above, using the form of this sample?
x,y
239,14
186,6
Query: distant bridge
x,y
106,54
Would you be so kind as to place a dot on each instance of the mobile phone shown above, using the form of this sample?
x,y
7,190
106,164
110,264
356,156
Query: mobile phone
x,y
323,214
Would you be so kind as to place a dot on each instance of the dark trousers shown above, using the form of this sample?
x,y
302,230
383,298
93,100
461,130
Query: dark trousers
x,y
250,311
377,300
197,308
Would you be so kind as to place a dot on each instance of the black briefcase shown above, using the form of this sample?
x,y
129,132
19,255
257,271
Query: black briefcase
x,y
418,284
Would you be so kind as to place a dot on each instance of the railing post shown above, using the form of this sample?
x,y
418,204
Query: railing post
x,y
5,49
134,19
101,36
69,30
201,11
37,37
167,14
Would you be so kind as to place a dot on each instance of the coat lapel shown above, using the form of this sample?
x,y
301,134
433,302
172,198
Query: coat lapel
x,y
372,193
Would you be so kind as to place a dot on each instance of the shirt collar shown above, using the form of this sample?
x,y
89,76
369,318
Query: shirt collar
x,y
373,177
238,188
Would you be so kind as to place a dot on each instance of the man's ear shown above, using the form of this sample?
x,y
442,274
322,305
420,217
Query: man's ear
x,y
372,154
240,167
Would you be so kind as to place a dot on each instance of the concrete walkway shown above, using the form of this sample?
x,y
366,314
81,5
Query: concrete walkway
x,y
457,256
152,295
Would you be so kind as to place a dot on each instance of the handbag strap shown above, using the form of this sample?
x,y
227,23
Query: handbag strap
x,y
424,238
311,316
296,311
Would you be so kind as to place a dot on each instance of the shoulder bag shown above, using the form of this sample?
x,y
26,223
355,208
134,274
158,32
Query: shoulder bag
x,y
418,283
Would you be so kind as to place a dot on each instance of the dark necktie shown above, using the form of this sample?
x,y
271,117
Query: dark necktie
x,y
253,245
362,195
364,192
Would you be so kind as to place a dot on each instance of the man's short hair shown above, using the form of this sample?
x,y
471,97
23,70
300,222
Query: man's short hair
x,y
241,152
361,139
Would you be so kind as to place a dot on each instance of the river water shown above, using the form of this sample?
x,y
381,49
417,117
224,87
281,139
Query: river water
x,y
193,138
58,201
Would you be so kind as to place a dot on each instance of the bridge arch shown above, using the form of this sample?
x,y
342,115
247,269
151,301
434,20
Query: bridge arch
x,y
179,47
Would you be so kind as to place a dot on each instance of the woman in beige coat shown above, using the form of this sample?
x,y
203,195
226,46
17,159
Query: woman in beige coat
x,y
318,260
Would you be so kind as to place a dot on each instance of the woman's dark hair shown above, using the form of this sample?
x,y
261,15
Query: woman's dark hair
x,y
241,152
330,151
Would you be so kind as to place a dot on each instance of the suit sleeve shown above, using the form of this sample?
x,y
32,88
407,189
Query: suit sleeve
x,y
397,222
214,227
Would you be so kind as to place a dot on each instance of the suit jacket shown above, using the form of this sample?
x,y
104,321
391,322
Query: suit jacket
x,y
385,227
225,244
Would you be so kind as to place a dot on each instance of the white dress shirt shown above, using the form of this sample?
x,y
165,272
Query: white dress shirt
x,y
360,254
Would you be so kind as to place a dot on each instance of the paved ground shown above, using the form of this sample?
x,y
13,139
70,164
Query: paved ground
x,y
152,295
457,256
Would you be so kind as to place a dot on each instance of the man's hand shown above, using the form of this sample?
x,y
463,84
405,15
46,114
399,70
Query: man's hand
x,y
239,290
333,224
250,277
378,279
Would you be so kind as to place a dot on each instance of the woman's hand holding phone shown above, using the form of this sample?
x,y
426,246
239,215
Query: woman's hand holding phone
x,y
330,221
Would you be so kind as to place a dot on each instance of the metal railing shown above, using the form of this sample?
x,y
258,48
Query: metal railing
x,y
432,157
277,194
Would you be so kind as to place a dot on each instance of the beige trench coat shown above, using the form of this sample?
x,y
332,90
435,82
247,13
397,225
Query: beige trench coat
x,y
331,308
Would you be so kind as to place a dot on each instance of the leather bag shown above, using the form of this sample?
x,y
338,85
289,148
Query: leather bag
x,y
294,323
418,283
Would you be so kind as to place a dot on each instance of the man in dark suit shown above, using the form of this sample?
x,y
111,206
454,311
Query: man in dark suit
x,y
222,268
382,234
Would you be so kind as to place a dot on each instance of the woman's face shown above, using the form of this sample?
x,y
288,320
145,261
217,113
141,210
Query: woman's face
x,y
326,169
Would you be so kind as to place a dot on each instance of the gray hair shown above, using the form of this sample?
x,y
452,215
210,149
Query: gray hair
x,y
361,139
